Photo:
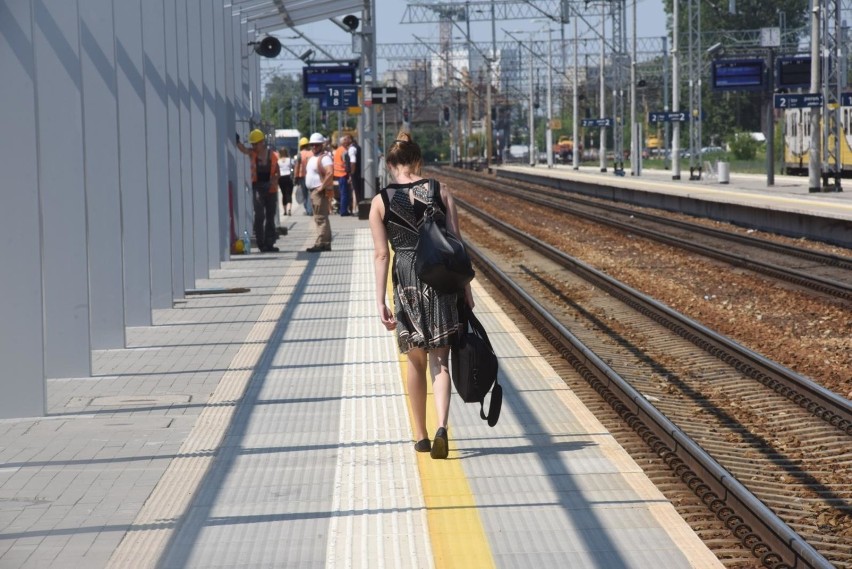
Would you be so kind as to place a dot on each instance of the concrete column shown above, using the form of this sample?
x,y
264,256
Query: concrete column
x,y
133,177
60,175
174,149
157,152
196,139
103,198
21,329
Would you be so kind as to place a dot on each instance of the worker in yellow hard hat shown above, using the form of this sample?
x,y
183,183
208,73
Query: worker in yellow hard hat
x,y
300,166
264,184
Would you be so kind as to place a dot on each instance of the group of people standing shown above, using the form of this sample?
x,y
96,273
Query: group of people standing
x,y
312,172
347,174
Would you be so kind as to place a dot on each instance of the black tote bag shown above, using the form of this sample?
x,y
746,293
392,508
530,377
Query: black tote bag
x,y
473,367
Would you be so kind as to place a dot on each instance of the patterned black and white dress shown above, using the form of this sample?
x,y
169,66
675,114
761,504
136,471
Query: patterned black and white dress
x,y
425,317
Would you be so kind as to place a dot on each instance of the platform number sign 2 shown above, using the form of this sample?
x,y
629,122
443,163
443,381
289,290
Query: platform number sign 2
x,y
797,101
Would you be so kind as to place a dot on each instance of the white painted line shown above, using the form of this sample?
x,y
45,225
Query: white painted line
x,y
376,471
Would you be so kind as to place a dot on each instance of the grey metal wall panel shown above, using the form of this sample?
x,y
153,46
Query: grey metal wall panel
x,y
174,150
130,74
157,121
213,188
22,380
185,144
254,77
231,23
197,138
59,124
243,124
100,150
223,140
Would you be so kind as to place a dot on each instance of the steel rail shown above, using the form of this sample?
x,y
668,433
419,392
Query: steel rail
x,y
816,399
758,527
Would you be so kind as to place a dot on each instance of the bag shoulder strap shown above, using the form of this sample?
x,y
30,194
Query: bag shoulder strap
x,y
434,187
496,390
494,407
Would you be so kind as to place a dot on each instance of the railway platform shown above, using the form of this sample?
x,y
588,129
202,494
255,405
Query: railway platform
x,y
787,207
270,428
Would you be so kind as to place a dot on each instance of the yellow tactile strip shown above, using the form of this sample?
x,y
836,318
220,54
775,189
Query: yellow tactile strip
x,y
455,528
145,541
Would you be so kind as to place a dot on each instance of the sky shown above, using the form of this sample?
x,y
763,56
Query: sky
x,y
651,22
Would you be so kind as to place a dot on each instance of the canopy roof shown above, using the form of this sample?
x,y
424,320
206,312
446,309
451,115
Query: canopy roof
x,y
268,15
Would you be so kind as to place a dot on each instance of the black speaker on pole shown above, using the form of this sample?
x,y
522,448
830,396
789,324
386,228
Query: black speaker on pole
x,y
351,22
268,47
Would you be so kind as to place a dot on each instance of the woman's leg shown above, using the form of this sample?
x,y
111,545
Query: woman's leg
x,y
439,365
417,391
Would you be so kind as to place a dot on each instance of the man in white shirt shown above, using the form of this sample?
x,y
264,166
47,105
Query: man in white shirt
x,y
319,180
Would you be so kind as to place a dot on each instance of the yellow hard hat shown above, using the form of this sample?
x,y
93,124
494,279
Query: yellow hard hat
x,y
256,136
303,141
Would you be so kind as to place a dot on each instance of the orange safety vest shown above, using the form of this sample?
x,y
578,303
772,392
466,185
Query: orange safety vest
x,y
340,159
273,169
302,166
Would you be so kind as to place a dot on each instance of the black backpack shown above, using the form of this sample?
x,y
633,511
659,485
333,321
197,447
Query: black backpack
x,y
473,367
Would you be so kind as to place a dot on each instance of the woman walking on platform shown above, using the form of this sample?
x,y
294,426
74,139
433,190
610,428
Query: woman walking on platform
x,y
426,321
285,180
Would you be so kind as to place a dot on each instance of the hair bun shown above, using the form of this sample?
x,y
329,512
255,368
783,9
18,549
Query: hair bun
x,y
404,136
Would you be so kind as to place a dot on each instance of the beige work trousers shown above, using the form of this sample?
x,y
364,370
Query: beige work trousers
x,y
322,208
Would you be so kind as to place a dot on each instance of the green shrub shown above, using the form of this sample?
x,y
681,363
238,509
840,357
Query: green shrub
x,y
743,146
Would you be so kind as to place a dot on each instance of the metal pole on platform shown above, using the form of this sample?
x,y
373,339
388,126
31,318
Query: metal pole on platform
x,y
675,93
489,127
635,142
549,132
602,132
814,153
665,103
575,150
532,107
770,124
369,144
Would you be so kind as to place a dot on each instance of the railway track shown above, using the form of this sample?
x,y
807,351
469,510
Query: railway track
x,y
690,393
826,273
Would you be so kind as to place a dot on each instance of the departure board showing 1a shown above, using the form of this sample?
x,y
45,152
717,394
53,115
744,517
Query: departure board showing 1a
x,y
316,79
